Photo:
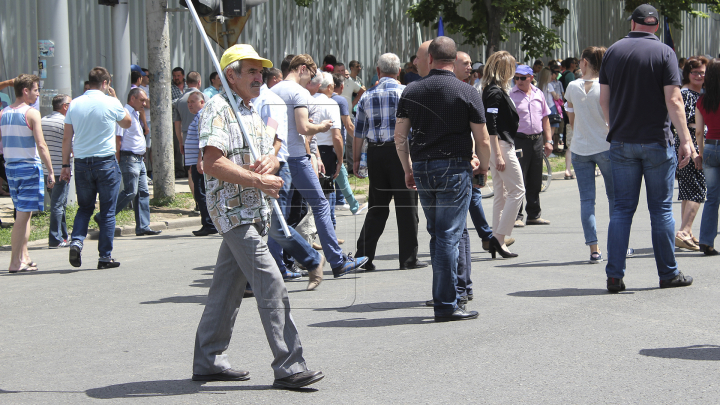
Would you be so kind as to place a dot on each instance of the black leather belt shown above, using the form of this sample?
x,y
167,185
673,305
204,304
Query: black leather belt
x,y
531,137
712,141
93,159
128,153
378,144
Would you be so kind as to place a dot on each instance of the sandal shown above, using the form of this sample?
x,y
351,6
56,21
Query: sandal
x,y
24,269
686,244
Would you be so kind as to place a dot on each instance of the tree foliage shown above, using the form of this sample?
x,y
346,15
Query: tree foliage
x,y
672,9
490,22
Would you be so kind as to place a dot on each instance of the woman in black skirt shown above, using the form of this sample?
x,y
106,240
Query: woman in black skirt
x,y
691,180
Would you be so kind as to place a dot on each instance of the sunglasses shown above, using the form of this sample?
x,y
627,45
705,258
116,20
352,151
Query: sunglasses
x,y
699,74
522,79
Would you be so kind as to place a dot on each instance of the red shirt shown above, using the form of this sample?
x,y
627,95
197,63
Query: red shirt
x,y
711,119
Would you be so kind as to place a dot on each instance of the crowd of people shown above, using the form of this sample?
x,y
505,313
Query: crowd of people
x,y
431,130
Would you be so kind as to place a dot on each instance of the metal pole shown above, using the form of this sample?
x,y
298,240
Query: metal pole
x,y
158,50
234,105
53,25
121,49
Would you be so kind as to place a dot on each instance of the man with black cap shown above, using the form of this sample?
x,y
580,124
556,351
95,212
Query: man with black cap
x,y
237,186
640,96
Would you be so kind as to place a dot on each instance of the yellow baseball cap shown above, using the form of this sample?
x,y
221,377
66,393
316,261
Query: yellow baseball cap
x,y
242,52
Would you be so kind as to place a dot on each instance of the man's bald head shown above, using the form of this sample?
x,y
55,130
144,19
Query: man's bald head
x,y
422,62
443,51
463,66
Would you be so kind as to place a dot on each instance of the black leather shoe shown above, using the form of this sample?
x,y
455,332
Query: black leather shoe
x,y
108,265
368,266
227,375
430,303
459,315
615,285
148,232
204,231
680,280
299,380
75,255
417,265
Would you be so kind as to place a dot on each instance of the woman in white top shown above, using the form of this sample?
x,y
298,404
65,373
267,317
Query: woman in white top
x,y
589,147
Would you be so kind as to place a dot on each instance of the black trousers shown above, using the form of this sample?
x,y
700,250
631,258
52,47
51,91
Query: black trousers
x,y
387,181
199,197
531,164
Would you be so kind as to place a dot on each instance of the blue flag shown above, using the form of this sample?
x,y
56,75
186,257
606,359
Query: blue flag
x,y
441,28
667,36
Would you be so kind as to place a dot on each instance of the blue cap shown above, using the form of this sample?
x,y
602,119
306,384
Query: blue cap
x,y
136,68
524,70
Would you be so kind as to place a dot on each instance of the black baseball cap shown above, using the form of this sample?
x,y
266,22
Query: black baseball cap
x,y
645,15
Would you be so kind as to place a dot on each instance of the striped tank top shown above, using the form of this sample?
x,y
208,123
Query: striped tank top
x,y
17,137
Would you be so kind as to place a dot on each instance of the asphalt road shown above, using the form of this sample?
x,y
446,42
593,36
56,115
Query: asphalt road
x,y
548,331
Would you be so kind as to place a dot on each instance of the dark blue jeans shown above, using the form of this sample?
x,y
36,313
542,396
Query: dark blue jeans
x,y
444,188
477,214
711,167
199,196
631,163
58,201
96,177
295,246
464,272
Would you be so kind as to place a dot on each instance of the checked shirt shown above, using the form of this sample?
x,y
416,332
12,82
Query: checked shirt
x,y
376,111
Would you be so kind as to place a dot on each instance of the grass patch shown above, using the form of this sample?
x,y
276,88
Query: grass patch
x,y
181,200
40,223
359,186
557,164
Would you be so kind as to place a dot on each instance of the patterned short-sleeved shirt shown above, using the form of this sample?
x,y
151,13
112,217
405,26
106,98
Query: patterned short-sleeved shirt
x,y
231,205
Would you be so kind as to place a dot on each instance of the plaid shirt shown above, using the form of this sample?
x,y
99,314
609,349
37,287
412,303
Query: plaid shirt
x,y
376,111
176,92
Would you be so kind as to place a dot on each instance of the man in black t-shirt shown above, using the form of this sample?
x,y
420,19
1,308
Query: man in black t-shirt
x,y
442,112
640,95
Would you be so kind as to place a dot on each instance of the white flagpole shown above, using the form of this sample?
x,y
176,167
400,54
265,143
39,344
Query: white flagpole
x,y
234,105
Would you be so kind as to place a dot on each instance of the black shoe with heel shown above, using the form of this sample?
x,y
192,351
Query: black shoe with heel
x,y
496,247
708,250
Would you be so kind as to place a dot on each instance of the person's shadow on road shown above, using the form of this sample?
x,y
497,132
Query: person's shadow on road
x,y
696,352
165,388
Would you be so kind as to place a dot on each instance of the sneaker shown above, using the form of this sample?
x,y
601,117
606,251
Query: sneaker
x,y
596,257
630,252
291,275
360,209
108,265
343,207
680,280
60,245
615,285
519,224
349,265
76,255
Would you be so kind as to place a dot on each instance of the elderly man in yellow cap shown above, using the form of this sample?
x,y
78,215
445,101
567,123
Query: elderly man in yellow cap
x,y
235,184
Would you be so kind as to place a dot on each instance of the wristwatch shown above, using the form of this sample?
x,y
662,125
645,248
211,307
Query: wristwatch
x,y
550,142
66,166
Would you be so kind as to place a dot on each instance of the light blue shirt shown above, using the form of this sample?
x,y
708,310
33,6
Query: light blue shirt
x,y
93,117
270,105
211,91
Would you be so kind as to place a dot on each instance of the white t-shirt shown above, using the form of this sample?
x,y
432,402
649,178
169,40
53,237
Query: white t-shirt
x,y
351,86
326,109
590,131
552,86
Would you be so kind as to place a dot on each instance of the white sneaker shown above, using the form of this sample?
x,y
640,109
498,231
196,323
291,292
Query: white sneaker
x,y
360,209
343,207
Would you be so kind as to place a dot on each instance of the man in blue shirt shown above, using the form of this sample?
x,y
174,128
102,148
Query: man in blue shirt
x,y
215,85
91,119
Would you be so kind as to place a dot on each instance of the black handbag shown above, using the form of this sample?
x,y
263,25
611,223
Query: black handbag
x,y
327,184
555,119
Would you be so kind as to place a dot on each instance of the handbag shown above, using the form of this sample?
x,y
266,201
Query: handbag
x,y
555,119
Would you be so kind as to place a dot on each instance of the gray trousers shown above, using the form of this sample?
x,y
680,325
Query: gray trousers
x,y
244,257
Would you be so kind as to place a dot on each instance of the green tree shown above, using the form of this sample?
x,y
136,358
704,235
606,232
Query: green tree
x,y
491,21
672,9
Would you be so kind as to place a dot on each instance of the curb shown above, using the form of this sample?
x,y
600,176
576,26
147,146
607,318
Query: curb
x,y
128,230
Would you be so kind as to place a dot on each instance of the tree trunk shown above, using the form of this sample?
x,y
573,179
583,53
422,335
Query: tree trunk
x,y
495,16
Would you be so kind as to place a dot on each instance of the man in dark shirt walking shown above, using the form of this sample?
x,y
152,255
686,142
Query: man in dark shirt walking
x,y
640,95
442,112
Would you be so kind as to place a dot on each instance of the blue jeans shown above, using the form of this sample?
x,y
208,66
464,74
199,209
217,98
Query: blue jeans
x,y
58,200
631,162
585,172
295,246
96,177
199,197
135,189
711,167
464,272
478,215
444,190
306,182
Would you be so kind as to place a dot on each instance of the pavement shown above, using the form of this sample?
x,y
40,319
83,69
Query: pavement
x,y
548,331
